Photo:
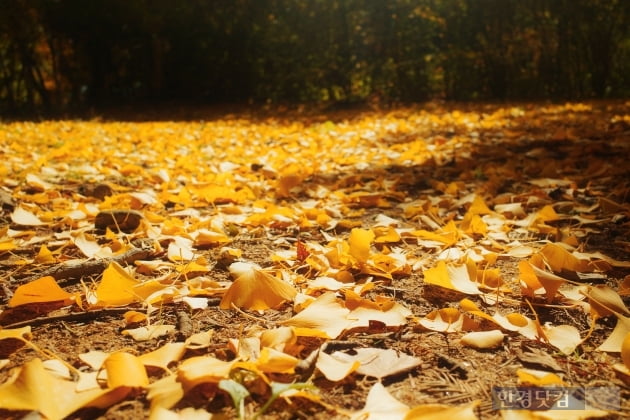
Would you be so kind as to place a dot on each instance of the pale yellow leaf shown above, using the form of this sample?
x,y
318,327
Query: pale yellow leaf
x,y
326,314
379,363
21,216
333,368
483,339
443,411
563,337
451,276
616,338
149,332
381,405
35,389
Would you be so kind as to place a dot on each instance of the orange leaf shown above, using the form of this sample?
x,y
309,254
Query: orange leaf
x,y
125,370
41,290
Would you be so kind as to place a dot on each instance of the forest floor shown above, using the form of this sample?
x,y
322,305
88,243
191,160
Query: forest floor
x,y
344,264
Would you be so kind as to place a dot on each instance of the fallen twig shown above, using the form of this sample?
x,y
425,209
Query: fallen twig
x,y
69,317
77,270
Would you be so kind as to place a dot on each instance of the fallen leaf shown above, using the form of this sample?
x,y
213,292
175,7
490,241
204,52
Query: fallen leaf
x,y
450,276
360,241
333,368
116,287
381,405
149,332
442,411
326,314
125,370
483,339
21,216
256,289
379,363
42,290
35,389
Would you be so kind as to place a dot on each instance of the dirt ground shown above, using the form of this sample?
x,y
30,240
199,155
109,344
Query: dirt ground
x,y
542,142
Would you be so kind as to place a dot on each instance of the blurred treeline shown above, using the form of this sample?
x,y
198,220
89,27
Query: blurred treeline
x,y
70,54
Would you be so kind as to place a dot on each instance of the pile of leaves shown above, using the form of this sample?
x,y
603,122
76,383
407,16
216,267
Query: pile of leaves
x,y
373,264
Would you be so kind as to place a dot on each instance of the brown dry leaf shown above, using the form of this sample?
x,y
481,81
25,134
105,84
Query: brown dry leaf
x,y
255,289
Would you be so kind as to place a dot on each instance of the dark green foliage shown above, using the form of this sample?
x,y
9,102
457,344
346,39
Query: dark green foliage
x,y
73,53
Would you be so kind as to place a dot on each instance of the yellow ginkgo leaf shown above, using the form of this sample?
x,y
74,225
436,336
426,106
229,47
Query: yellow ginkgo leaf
x,y
326,314
125,370
163,356
385,234
447,320
116,287
560,259
443,411
42,290
563,337
134,317
380,404
335,369
274,361
538,377
44,256
21,216
450,276
360,241
202,369
149,332
256,289
35,389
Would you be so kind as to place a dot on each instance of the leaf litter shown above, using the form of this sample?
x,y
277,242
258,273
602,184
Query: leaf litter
x,y
392,264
